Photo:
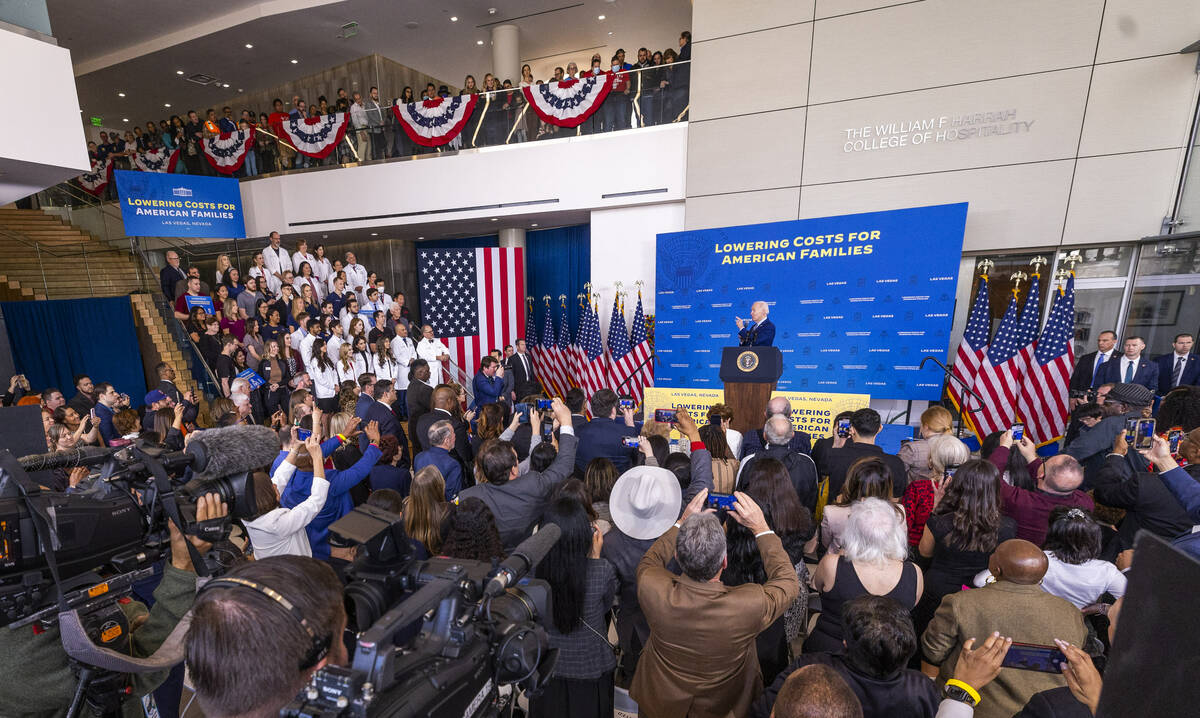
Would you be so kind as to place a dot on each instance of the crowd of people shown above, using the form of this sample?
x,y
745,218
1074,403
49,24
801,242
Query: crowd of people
x,y
652,90
836,576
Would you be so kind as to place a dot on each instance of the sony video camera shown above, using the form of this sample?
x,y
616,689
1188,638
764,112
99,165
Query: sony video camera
x,y
437,636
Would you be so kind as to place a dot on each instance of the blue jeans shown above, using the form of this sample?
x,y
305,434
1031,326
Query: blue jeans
x,y
251,163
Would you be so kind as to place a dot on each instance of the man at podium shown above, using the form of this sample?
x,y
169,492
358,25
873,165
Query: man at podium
x,y
759,331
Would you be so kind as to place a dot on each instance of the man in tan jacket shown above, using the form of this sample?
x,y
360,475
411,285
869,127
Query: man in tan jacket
x,y
701,659
1016,606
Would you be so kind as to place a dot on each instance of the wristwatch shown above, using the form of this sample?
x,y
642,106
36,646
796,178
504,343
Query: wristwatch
x,y
959,693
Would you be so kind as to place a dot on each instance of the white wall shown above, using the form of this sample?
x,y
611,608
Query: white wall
x,y
574,173
623,250
41,143
1108,97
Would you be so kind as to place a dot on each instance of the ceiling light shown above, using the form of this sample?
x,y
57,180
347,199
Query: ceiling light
x,y
610,32
479,42
120,94
249,46
491,11
295,61
239,89
495,219
420,238
225,85
179,72
599,17
454,18
166,104
533,225
124,119
374,234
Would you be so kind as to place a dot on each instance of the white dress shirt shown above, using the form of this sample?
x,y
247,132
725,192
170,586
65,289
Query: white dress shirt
x,y
351,373
281,532
405,351
385,369
1125,362
1175,359
306,344
430,350
295,340
325,381
277,261
1101,357
332,346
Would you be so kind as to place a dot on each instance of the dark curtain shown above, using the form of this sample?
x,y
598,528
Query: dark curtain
x,y
558,261
54,340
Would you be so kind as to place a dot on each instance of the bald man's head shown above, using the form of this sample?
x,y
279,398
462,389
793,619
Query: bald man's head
x,y
778,430
444,398
1018,561
816,691
1061,474
779,405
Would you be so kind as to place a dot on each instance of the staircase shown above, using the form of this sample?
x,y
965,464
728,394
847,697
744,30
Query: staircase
x,y
43,257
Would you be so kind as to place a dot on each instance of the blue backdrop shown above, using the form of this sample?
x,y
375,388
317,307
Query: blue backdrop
x,y
159,204
54,340
856,300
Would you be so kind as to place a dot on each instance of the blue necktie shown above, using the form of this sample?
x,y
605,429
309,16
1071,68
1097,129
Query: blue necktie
x,y
1096,371
1129,373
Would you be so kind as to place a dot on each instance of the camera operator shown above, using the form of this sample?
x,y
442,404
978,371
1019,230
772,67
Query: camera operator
x,y
38,677
260,632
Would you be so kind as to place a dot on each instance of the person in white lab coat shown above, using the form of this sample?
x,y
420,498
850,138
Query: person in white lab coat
x,y
356,276
277,261
433,351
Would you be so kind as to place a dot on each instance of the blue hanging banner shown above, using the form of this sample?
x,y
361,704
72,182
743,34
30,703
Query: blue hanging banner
x,y
856,300
157,204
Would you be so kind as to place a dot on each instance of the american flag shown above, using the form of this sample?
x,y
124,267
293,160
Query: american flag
x,y
1044,392
533,341
552,377
640,350
591,369
576,355
620,363
566,353
971,349
999,379
472,299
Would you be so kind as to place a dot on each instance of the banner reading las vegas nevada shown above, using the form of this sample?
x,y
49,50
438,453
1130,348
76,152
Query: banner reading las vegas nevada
x,y
812,412
857,300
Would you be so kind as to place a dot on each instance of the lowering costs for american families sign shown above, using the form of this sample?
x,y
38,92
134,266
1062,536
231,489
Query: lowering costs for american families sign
x,y
856,300
812,412
157,204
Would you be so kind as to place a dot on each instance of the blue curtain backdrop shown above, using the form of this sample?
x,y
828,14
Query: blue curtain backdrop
x,y
558,261
54,340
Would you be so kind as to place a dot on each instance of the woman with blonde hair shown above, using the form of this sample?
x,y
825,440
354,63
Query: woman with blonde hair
x,y
223,265
935,421
426,508
231,320
347,369
721,415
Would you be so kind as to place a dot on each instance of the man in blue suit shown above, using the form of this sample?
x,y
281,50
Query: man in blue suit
x,y
603,434
366,396
1130,368
488,383
441,441
759,331
381,409
1179,368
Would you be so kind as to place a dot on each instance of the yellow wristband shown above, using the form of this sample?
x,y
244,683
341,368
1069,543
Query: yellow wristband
x,y
342,438
970,691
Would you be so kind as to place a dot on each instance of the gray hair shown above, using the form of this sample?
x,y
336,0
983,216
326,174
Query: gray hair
x,y
439,432
946,452
238,398
239,385
778,430
876,532
1063,472
779,405
700,546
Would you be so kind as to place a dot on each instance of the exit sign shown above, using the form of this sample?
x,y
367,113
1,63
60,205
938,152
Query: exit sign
x,y
97,122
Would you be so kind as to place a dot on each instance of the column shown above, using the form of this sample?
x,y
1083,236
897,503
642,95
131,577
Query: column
x,y
514,238
506,53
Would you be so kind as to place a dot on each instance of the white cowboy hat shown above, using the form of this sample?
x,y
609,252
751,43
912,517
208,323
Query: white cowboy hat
x,y
645,502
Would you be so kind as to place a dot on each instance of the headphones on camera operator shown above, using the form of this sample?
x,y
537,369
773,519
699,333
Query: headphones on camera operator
x,y
71,536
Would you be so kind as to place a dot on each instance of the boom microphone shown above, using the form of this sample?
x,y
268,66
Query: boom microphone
x,y
79,456
232,450
524,557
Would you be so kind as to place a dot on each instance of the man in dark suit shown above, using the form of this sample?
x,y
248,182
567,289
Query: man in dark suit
x,y
1130,368
524,381
438,455
444,400
753,441
759,331
801,469
574,400
380,410
1088,366
864,427
602,436
170,275
418,400
1179,368
1147,502
366,399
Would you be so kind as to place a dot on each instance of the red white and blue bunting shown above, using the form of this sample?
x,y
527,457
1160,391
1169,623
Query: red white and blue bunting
x,y
157,160
95,181
570,102
433,123
317,137
227,151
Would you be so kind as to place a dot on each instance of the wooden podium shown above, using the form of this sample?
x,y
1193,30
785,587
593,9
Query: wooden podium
x,y
749,374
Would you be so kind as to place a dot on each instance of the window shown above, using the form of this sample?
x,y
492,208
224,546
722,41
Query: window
x,y
1164,301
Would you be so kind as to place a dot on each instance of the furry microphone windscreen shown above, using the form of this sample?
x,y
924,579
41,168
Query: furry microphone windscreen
x,y
232,450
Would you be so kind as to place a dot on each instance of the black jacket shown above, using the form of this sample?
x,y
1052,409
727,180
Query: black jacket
x,y
524,382
462,440
1147,502
168,277
836,462
418,401
752,442
801,470
903,694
